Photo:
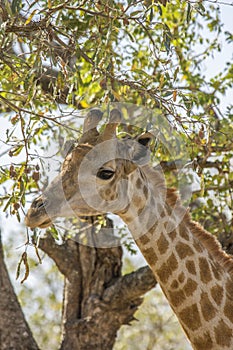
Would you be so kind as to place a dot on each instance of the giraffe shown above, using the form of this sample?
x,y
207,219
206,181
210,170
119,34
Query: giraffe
x,y
104,173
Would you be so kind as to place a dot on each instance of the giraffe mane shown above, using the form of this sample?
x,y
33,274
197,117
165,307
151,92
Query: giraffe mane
x,y
204,237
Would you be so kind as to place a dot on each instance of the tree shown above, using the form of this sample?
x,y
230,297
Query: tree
x,y
59,57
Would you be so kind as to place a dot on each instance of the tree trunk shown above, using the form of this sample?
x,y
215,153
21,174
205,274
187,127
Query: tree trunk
x,y
15,333
97,298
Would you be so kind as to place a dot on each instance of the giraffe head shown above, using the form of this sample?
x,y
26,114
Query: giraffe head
x,y
96,175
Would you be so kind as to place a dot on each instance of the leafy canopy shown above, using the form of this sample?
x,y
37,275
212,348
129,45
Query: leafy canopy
x,y
58,57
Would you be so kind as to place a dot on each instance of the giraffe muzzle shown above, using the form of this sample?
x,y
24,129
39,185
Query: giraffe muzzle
x,y
37,215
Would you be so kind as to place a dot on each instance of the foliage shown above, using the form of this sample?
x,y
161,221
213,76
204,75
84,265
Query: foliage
x,y
81,54
59,57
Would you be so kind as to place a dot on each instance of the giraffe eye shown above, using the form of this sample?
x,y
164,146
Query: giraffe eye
x,y
105,174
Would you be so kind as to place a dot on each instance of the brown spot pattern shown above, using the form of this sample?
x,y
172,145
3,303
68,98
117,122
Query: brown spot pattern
x,y
217,294
138,183
181,277
176,298
228,310
172,262
167,268
175,284
191,267
205,272
164,273
150,256
140,210
108,191
204,342
190,287
183,232
162,214
229,286
145,191
128,218
152,229
162,244
137,201
223,334
190,317
183,250
144,239
208,311
172,235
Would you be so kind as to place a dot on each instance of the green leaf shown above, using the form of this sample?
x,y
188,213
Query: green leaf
x,y
16,151
11,200
200,8
135,13
175,73
167,43
16,6
29,19
160,10
54,232
8,7
151,14
189,12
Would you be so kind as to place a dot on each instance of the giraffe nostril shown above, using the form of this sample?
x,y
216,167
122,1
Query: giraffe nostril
x,y
39,203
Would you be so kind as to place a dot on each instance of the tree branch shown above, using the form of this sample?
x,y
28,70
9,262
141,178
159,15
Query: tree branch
x,y
64,255
201,162
130,287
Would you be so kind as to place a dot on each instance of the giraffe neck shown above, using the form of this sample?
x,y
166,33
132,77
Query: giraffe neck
x,y
195,275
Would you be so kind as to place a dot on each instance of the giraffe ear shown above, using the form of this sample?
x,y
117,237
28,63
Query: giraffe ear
x,y
139,153
90,133
145,139
67,148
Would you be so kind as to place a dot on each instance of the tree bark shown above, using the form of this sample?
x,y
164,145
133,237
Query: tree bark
x,y
97,298
15,333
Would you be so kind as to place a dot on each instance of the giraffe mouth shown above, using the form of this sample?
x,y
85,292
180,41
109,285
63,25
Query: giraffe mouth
x,y
33,223
45,224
